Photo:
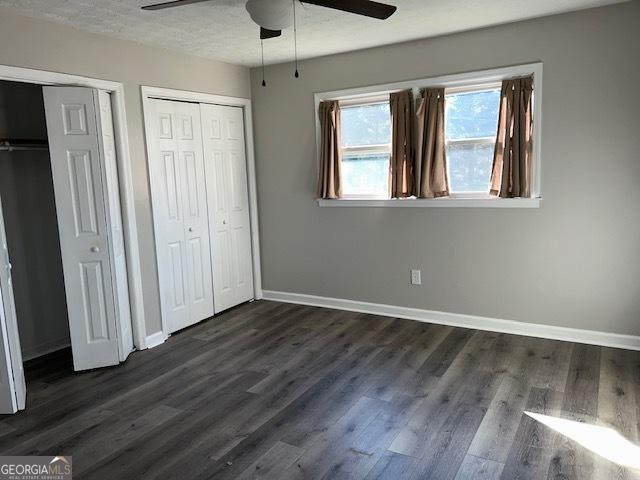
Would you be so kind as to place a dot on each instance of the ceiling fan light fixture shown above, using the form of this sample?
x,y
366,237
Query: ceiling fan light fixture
x,y
271,14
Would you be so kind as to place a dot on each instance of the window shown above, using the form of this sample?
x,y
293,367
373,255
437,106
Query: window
x,y
472,103
366,148
471,121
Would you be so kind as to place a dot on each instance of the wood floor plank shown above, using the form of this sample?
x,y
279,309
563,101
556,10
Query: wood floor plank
x,y
42,442
581,390
616,392
166,444
617,404
424,342
532,448
364,451
435,408
392,466
310,414
6,429
273,464
447,448
333,402
200,457
95,446
479,469
276,390
553,366
498,428
580,403
320,457
77,400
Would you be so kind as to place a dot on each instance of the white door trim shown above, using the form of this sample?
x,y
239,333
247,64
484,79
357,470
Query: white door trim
x,y
244,103
125,175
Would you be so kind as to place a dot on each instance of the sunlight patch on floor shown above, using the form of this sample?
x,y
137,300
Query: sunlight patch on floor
x,y
603,441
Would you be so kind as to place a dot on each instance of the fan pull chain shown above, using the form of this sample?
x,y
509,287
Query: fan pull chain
x,y
295,38
264,84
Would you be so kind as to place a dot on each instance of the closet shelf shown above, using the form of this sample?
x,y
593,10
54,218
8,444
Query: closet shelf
x,y
13,144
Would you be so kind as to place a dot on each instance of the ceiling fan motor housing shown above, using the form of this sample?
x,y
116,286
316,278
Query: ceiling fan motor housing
x,y
271,14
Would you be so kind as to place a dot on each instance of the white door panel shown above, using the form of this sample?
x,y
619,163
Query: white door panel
x,y
177,281
180,212
82,210
13,388
226,173
110,179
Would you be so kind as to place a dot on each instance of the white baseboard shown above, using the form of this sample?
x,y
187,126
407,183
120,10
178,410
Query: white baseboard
x,y
590,337
34,351
155,339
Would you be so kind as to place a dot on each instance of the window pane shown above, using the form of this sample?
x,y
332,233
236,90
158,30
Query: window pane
x,y
365,174
472,115
366,125
470,167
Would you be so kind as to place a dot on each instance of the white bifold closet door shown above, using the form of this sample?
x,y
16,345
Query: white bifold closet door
x,y
13,388
80,131
117,248
226,172
176,168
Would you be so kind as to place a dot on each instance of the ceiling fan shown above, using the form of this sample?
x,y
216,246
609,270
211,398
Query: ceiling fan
x,y
272,16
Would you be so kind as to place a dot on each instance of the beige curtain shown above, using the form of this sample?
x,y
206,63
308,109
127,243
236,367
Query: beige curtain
x,y
511,173
431,163
329,181
401,163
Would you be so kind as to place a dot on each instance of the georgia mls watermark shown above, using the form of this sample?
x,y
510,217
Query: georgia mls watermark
x,y
36,468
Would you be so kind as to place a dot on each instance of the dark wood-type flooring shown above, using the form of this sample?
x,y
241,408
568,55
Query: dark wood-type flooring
x,y
279,391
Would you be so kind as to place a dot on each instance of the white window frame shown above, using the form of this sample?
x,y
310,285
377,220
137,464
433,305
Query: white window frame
x,y
365,149
451,83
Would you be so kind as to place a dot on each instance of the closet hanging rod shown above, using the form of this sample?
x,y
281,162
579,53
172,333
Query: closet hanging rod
x,y
10,145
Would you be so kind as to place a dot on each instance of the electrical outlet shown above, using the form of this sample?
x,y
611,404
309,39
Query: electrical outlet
x,y
416,277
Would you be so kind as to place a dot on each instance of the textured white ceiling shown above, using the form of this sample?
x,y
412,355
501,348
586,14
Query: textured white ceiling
x,y
222,29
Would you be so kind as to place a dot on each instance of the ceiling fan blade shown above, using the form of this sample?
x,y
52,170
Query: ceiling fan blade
x,y
367,8
174,3
266,33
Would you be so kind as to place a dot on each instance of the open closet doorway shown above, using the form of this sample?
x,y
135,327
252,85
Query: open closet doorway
x,y
63,266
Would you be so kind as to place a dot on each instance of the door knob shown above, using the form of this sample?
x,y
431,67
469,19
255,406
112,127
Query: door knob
x,y
94,249
191,229
224,222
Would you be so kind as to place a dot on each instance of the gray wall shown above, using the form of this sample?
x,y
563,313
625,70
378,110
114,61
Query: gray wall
x,y
26,42
573,262
28,203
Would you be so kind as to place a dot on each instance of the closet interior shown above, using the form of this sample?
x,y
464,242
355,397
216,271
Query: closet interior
x,y
30,221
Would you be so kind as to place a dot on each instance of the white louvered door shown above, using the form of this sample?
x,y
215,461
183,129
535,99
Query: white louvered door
x,y
180,212
227,190
82,212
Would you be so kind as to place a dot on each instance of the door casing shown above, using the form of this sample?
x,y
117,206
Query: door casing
x,y
149,93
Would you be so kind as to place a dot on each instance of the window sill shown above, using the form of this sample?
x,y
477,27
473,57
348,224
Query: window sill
x,y
434,202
